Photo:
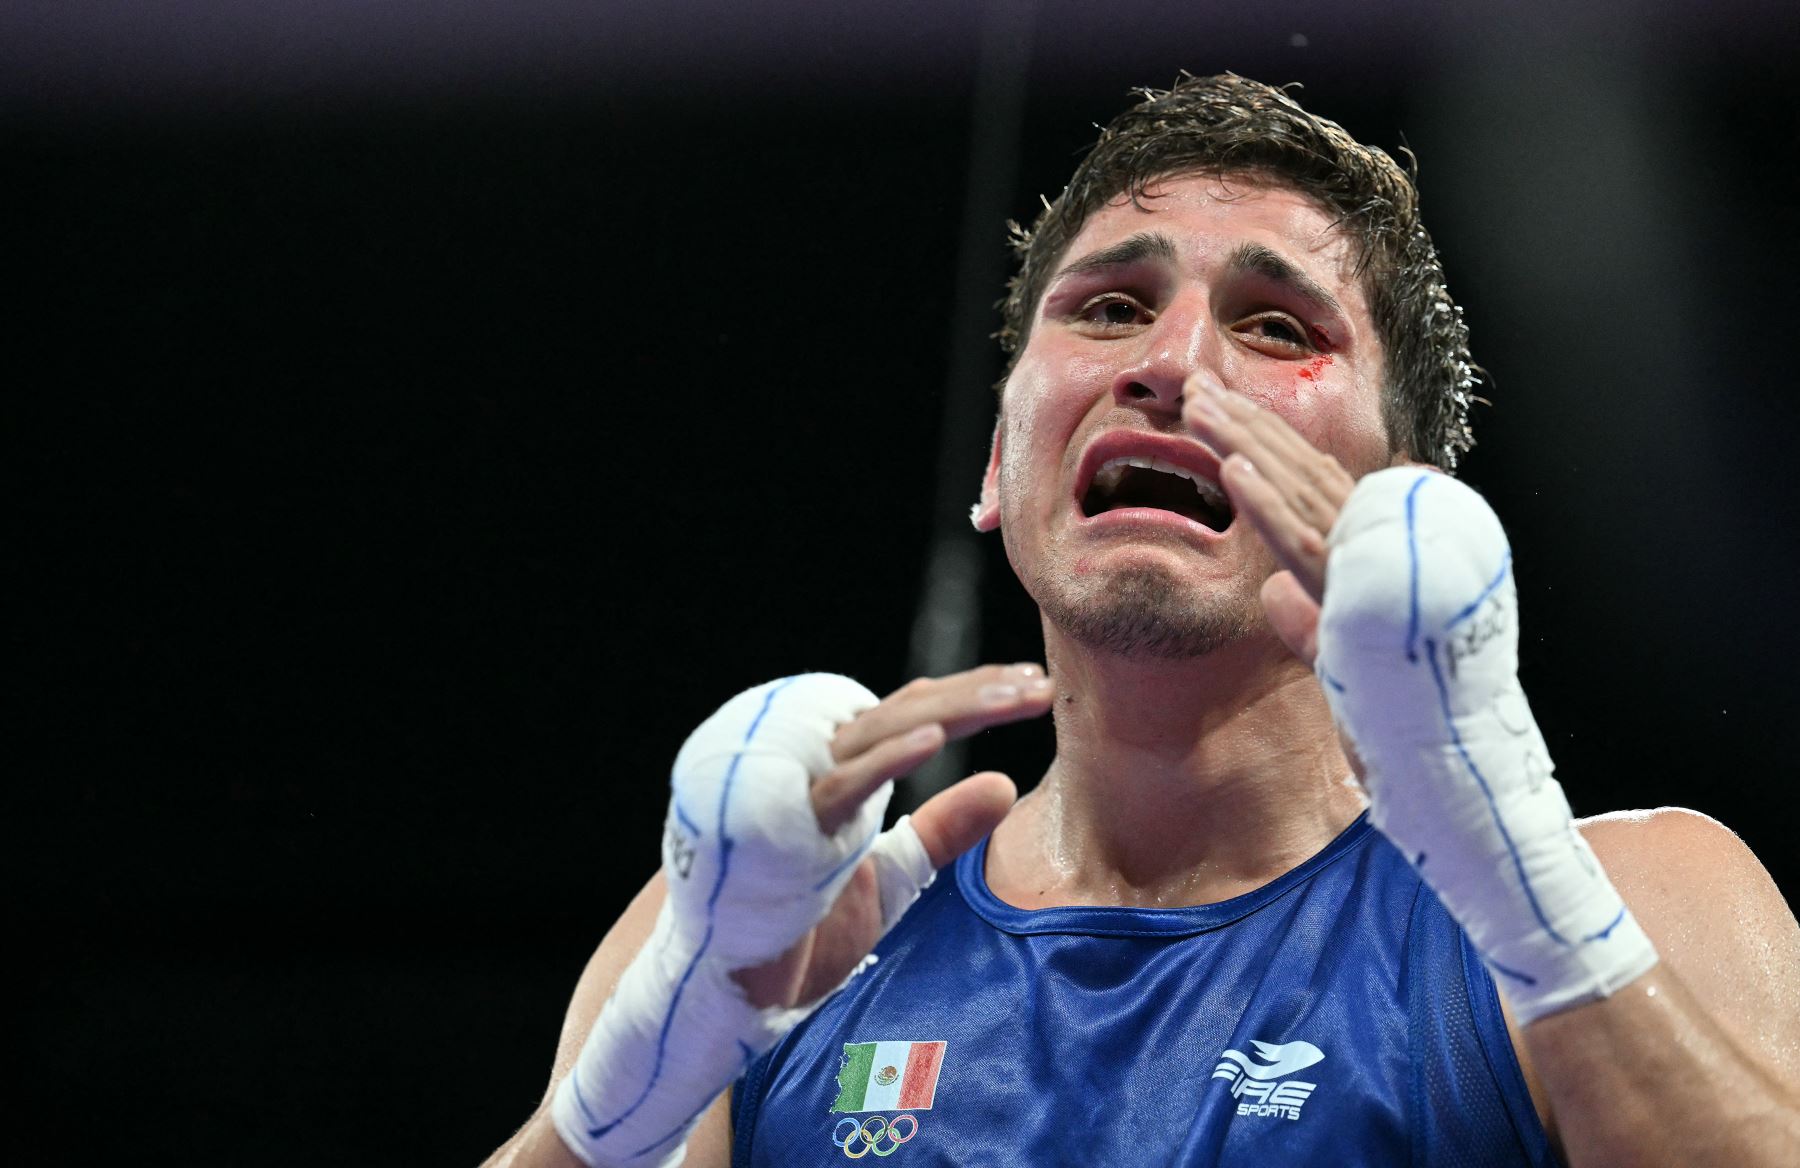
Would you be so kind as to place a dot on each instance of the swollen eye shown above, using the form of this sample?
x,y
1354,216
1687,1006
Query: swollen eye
x,y
1279,330
1112,312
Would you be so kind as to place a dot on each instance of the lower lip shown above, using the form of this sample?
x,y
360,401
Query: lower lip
x,y
1152,519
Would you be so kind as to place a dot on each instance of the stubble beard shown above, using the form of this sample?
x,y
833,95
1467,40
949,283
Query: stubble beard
x,y
1141,612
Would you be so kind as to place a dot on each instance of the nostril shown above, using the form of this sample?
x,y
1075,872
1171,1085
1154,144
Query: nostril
x,y
1138,391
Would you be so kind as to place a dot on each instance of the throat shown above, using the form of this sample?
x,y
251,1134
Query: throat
x,y
1058,849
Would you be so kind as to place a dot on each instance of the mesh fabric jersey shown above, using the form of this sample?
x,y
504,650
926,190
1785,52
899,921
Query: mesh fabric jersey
x,y
1337,1015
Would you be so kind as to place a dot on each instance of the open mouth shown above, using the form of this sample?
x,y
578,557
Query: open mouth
x,y
1136,481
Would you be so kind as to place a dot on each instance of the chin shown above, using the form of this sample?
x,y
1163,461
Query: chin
x,y
1144,611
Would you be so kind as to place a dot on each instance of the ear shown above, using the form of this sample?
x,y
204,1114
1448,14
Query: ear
x,y
985,514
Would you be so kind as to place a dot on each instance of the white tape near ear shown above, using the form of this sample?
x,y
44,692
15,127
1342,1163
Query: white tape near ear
x,y
1418,654
749,873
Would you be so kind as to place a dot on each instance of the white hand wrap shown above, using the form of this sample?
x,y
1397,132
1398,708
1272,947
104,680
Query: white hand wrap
x,y
749,873
1418,654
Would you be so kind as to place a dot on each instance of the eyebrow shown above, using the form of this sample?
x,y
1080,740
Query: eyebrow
x,y
1145,245
1272,265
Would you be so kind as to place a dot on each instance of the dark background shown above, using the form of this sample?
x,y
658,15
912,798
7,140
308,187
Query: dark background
x,y
428,413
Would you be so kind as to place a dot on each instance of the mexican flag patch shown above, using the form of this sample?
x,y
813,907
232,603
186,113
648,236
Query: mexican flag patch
x,y
888,1076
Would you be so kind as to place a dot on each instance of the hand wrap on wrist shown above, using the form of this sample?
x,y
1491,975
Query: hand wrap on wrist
x,y
1418,654
749,873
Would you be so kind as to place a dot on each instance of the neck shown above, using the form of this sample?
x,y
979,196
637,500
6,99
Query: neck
x,y
1175,782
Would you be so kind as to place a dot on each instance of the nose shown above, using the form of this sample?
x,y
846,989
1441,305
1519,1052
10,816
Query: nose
x,y
1177,344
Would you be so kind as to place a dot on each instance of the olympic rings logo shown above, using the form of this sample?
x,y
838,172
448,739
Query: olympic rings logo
x,y
859,1139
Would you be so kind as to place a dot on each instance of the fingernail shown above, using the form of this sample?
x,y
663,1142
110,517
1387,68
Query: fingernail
x,y
1206,406
923,736
1028,669
1037,685
1249,467
997,695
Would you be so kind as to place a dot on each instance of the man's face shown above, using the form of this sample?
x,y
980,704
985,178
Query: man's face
x,y
1228,281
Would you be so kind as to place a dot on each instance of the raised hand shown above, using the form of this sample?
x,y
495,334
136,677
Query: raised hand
x,y
1287,488
777,883
883,743
1418,647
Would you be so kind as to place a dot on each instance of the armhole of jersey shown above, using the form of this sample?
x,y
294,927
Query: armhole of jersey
x,y
1463,1065
1502,1059
746,1097
1415,1033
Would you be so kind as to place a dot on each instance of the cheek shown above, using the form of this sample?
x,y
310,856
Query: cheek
x,y
1297,386
1018,456
1341,420
1041,418
1355,436
1315,369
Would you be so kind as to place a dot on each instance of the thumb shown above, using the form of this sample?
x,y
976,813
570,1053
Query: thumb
x,y
955,820
1293,614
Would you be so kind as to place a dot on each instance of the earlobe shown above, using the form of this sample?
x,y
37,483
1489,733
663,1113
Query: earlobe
x,y
985,514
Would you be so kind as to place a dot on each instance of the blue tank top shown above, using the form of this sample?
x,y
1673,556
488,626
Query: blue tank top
x,y
1336,1016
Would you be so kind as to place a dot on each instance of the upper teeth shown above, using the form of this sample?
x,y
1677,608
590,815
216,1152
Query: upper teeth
x,y
1113,469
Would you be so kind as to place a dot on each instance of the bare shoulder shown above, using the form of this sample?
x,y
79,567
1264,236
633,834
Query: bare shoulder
x,y
1715,916
1673,862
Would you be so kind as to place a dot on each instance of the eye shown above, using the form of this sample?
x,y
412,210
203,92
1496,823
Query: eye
x,y
1113,312
1277,332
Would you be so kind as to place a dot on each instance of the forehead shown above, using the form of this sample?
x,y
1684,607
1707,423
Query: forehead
x,y
1209,217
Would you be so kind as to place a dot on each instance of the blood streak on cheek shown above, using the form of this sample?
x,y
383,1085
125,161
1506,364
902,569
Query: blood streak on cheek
x,y
1315,367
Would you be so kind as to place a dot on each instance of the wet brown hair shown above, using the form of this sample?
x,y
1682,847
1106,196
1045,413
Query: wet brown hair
x,y
1231,126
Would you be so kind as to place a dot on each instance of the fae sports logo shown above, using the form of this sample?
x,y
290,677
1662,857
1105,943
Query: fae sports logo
x,y
1263,1088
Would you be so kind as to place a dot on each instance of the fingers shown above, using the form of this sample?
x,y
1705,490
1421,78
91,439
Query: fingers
x,y
914,722
836,797
1293,615
1298,544
949,824
961,703
957,818
1290,491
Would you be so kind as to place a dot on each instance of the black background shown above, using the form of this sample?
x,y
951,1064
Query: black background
x,y
424,421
